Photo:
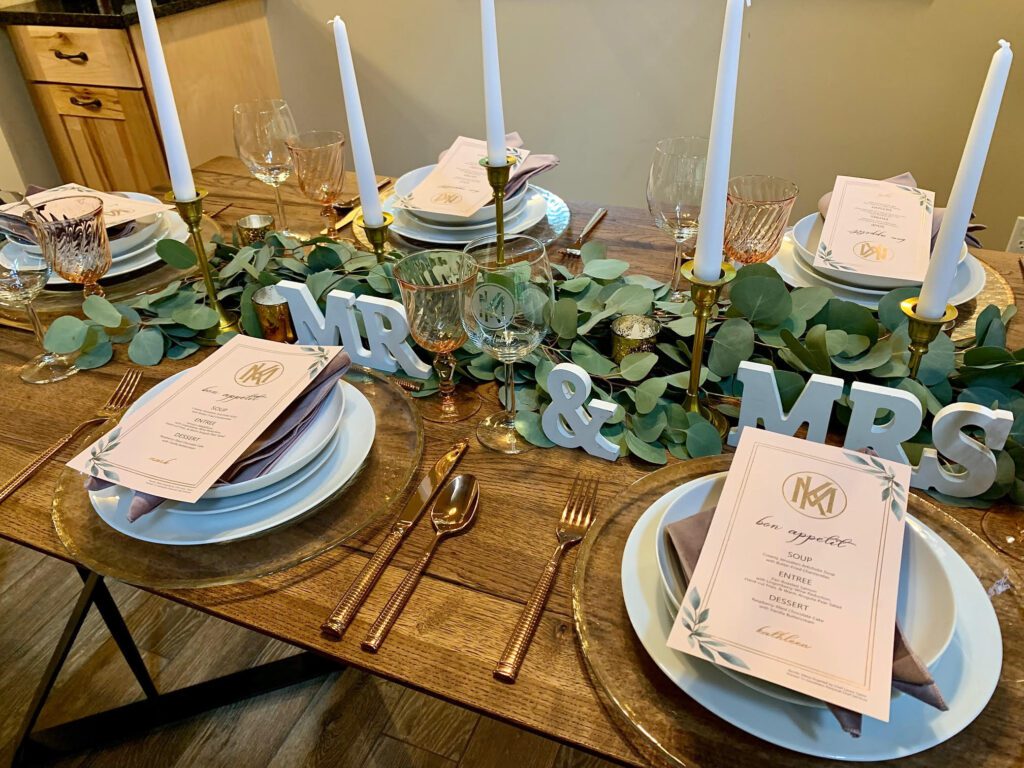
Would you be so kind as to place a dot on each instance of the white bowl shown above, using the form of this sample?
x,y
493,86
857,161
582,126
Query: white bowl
x,y
807,235
407,183
926,609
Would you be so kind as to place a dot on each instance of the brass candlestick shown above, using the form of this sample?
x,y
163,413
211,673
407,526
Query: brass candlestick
x,y
378,235
705,296
192,212
497,177
922,330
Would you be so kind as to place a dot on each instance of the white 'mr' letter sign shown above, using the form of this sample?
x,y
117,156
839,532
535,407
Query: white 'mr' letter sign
x,y
567,423
386,328
761,402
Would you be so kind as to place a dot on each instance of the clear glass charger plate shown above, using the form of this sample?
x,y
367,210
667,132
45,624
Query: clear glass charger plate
x,y
668,728
383,480
550,228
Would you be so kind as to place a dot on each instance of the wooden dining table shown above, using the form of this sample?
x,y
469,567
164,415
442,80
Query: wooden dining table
x,y
456,625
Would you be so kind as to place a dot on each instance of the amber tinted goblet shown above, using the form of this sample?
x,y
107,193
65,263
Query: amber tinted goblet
x,y
757,212
435,286
319,158
74,239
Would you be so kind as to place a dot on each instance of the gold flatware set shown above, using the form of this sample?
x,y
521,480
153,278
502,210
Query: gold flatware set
x,y
573,251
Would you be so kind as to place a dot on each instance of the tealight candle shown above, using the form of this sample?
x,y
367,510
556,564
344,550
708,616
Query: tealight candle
x,y
938,281
711,230
163,96
366,179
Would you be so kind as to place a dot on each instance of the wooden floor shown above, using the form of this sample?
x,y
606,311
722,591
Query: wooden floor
x,y
345,719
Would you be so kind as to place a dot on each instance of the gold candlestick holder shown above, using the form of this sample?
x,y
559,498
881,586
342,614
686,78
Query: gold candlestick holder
x,y
922,330
378,236
705,295
497,177
192,212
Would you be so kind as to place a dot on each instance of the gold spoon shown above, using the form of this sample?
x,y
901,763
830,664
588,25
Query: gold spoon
x,y
451,513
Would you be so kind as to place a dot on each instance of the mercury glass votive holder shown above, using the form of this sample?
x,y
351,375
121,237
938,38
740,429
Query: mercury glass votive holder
x,y
254,228
633,333
272,313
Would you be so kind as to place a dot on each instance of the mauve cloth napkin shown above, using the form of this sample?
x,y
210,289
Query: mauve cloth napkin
x,y
534,164
260,457
907,180
909,675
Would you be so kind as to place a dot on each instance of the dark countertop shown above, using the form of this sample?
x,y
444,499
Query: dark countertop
x,y
89,13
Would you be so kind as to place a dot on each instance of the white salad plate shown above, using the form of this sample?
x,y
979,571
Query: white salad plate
x,y
347,452
807,235
968,283
967,672
531,213
486,215
307,447
926,608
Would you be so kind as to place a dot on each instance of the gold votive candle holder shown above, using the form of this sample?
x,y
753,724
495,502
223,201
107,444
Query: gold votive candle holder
x,y
272,312
633,333
254,228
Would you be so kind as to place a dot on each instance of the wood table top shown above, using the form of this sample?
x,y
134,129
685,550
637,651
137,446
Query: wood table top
x,y
457,623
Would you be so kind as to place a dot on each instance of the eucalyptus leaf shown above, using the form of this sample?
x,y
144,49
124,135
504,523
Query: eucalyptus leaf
x,y
593,251
648,393
702,439
96,357
175,253
605,269
65,335
653,454
528,424
198,317
102,311
637,365
764,301
889,312
733,343
147,348
563,318
807,302
590,360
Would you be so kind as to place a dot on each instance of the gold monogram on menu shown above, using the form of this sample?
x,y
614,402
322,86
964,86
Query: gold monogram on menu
x,y
814,495
871,251
259,373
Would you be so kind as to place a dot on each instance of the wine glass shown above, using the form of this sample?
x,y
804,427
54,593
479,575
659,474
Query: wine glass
x,y
435,286
319,158
675,187
22,277
262,130
73,237
506,315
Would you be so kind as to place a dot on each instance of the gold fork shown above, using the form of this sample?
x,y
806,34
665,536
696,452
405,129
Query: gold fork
x,y
117,403
577,515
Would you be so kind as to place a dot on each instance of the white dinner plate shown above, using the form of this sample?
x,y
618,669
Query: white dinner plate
x,y
968,283
348,451
926,608
807,235
316,437
967,673
409,181
142,230
532,212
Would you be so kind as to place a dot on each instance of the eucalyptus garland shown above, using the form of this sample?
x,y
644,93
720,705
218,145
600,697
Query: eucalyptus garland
x,y
797,332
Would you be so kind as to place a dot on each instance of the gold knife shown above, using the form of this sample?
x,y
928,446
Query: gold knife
x,y
349,217
347,608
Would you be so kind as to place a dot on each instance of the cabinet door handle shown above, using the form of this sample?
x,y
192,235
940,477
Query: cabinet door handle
x,y
92,103
80,56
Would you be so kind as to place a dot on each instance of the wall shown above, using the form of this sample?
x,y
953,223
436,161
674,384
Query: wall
x,y
24,156
827,87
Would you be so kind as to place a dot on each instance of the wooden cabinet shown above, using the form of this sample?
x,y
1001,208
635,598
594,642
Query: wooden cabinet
x,y
91,90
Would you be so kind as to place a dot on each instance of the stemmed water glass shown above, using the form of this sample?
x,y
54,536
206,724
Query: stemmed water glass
x,y
435,286
73,237
262,130
506,315
675,186
319,158
22,277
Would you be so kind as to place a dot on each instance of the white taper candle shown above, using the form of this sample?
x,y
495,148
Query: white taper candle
x,y
711,231
365,176
938,281
495,113
170,126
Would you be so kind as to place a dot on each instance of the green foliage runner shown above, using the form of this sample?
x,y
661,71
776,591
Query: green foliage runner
x,y
798,333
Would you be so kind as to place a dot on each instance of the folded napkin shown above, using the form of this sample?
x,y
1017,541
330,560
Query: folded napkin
x,y
907,180
534,165
260,457
909,675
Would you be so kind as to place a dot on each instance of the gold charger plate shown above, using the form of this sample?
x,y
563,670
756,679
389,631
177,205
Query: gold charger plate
x,y
383,480
668,728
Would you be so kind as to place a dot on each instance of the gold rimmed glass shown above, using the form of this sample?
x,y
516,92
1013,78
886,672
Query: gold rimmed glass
x,y
506,315
319,158
435,286
675,187
73,237
757,212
